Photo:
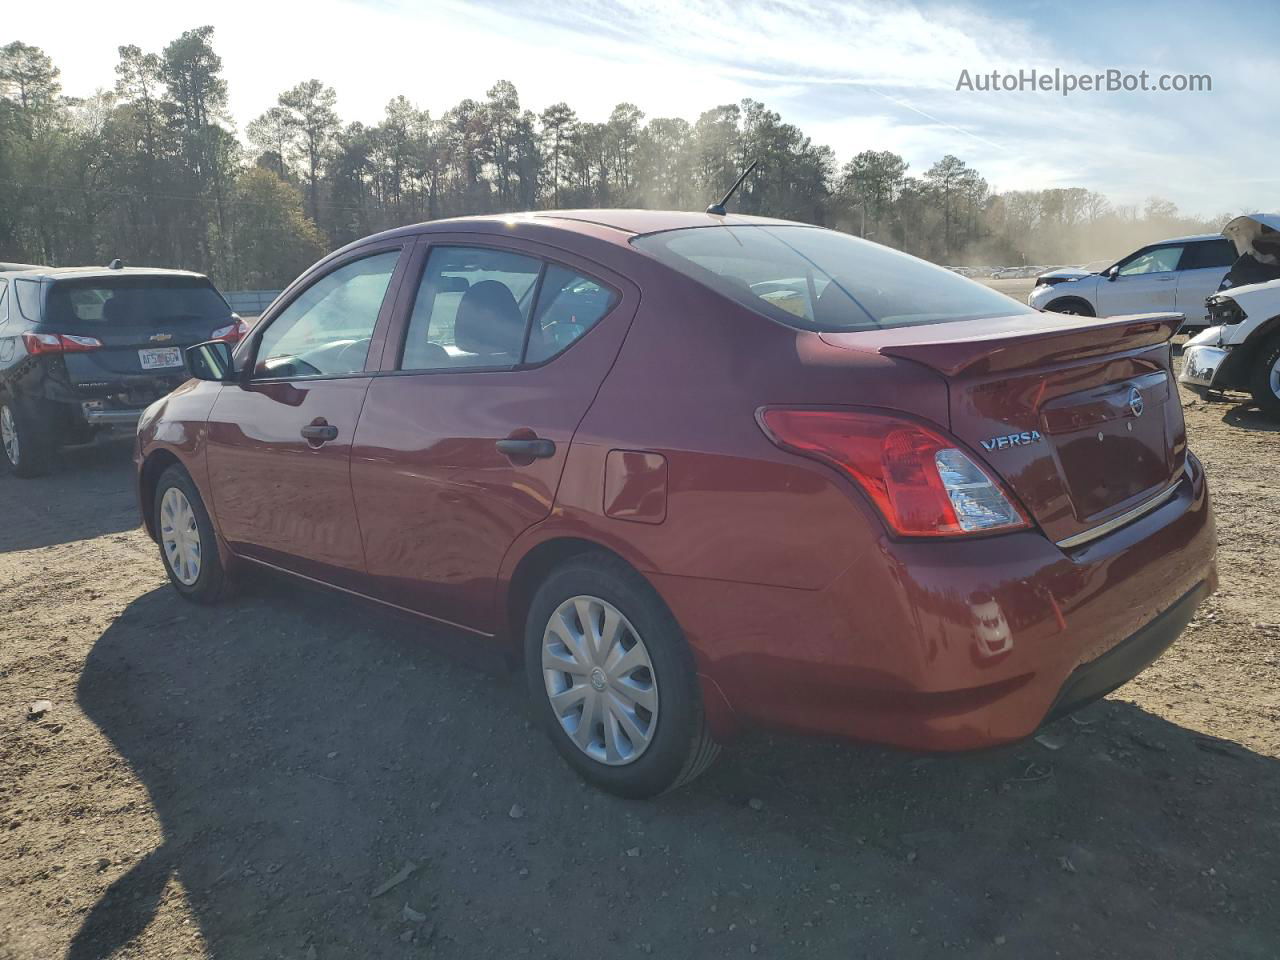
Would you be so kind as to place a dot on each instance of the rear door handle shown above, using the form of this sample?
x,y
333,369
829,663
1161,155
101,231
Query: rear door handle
x,y
319,432
536,448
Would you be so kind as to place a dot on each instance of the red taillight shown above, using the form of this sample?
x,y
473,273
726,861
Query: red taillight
x,y
233,332
919,480
38,343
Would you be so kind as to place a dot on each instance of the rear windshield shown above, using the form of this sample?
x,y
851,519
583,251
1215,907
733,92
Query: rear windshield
x,y
818,279
134,300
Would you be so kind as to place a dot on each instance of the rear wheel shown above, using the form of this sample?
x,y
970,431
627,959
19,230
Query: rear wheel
x,y
26,438
1071,305
613,681
188,545
1264,378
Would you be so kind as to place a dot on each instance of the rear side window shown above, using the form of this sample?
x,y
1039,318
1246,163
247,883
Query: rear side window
x,y
472,309
27,298
817,279
134,300
569,305
474,306
1211,253
4,302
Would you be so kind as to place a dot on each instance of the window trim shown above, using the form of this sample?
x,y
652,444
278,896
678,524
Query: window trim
x,y
544,255
305,282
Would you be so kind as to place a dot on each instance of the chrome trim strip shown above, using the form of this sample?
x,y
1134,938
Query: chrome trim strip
x,y
1115,523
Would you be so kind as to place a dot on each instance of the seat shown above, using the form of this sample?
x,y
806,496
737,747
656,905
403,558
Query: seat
x,y
489,322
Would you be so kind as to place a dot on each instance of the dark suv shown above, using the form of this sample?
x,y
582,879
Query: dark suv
x,y
83,349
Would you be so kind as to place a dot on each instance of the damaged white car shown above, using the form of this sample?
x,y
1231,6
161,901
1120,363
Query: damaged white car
x,y
1241,348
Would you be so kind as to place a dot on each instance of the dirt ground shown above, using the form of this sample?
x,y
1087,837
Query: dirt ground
x,y
236,782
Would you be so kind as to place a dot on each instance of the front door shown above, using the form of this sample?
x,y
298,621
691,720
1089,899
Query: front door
x,y
279,443
462,442
1146,282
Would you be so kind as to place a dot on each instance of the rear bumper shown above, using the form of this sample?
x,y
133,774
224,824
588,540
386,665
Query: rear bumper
x,y
100,416
955,646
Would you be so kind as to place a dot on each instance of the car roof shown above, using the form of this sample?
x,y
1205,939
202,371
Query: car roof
x,y
623,224
94,273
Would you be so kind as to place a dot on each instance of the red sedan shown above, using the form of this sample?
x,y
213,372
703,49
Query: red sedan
x,y
701,472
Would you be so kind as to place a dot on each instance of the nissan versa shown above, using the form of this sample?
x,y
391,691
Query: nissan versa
x,y
702,472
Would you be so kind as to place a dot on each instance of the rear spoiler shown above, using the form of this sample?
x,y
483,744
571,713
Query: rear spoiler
x,y
1061,339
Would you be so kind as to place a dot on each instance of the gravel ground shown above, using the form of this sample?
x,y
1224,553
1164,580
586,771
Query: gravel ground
x,y
239,782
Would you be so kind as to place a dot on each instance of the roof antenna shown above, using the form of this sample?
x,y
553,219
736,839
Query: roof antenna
x,y
116,264
717,209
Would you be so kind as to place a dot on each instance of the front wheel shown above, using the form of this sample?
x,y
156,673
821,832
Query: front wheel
x,y
188,545
613,680
1264,378
1072,306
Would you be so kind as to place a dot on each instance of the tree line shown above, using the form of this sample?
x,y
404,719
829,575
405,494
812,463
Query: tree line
x,y
152,169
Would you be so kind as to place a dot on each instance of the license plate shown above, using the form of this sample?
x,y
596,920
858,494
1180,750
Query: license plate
x,y
158,358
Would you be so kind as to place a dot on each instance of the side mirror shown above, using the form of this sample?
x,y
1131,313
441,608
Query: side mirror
x,y
1112,273
211,360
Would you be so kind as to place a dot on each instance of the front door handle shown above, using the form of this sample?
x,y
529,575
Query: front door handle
x,y
534,448
319,432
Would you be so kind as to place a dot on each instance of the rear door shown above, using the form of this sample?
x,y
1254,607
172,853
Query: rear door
x,y
1146,282
127,332
500,350
279,442
1200,271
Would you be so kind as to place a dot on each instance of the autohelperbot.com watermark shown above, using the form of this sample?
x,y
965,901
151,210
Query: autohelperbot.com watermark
x,y
1065,82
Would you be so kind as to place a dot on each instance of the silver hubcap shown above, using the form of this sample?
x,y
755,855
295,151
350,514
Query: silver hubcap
x,y
1274,378
180,536
599,680
9,434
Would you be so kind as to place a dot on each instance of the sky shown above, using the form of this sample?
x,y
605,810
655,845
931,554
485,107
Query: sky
x,y
863,74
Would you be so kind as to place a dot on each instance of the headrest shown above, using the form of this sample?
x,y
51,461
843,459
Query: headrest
x,y
488,321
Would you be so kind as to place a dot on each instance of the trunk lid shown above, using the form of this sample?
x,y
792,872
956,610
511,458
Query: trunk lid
x,y
1078,416
143,323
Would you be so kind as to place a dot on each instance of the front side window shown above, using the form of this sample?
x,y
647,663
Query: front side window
x,y
1210,253
1159,260
472,309
327,328
817,279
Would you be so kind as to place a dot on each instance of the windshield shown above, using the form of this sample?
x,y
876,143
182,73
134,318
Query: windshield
x,y
134,300
821,280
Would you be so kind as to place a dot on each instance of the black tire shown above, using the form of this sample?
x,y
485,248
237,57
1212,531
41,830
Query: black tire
x,y
1264,394
213,582
34,435
681,747
1071,305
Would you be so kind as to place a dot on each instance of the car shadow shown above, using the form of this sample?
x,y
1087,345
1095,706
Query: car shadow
x,y
1248,416
43,511
300,750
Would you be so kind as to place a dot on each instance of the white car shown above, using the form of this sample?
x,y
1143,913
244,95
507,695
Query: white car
x,y
1172,276
1242,352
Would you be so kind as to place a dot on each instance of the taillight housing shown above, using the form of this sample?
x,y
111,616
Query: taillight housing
x,y
233,332
920,480
41,343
